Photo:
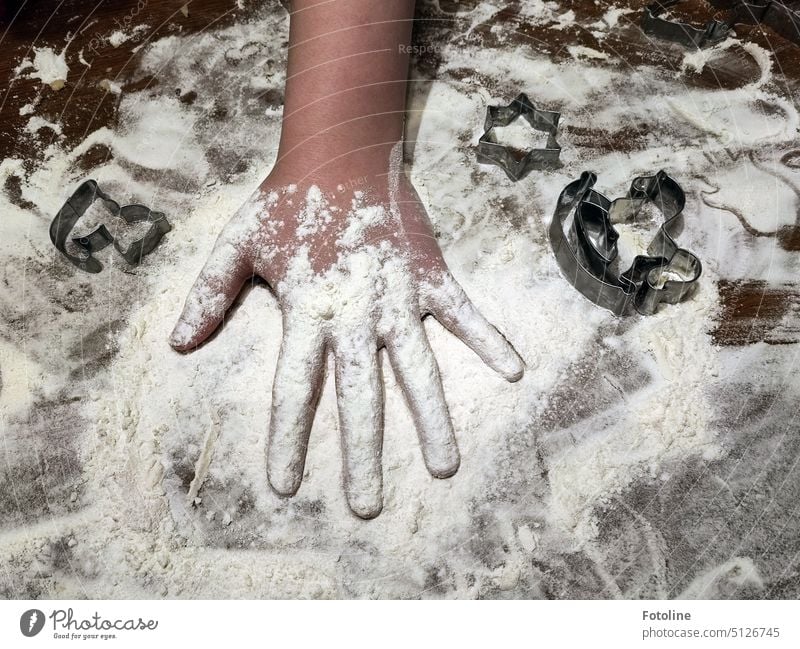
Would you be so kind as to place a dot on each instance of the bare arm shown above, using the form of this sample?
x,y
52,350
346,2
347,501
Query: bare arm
x,y
346,85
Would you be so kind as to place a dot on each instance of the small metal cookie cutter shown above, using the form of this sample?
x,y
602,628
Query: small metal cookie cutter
x,y
654,25
586,254
76,207
515,164
780,15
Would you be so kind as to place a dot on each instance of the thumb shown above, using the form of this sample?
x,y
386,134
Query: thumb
x,y
212,294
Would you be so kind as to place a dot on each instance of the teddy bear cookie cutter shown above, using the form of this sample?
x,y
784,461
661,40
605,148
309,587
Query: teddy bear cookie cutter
x,y
75,207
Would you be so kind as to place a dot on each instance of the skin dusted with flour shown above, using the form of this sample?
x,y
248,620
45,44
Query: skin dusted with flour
x,y
353,272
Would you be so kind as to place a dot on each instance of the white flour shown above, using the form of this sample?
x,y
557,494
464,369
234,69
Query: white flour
x,y
155,409
48,66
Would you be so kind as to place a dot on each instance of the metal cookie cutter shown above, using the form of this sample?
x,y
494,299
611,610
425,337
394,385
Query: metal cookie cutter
x,y
515,164
586,254
777,14
76,207
654,25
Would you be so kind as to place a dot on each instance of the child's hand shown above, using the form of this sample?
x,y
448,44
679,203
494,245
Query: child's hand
x,y
353,272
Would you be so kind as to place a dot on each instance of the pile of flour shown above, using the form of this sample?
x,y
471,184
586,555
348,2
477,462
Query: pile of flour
x,y
531,482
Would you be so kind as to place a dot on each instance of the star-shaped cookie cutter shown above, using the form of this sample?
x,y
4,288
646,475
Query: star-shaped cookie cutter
x,y
75,207
783,17
587,251
678,32
507,158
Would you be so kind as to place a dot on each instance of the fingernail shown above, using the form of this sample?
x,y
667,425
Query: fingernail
x,y
366,506
514,367
181,335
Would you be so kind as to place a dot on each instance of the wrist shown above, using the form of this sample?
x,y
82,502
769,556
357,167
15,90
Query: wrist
x,y
329,162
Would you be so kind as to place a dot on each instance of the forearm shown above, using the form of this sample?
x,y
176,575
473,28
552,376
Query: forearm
x,y
346,85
